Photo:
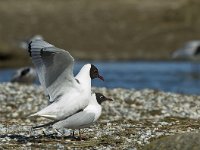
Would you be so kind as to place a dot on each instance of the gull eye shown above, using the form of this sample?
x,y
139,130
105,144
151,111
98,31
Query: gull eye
x,y
101,97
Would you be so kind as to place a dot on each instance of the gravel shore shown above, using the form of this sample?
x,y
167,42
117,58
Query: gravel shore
x,y
134,119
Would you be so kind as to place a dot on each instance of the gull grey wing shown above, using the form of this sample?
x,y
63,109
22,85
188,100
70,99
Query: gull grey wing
x,y
54,67
76,121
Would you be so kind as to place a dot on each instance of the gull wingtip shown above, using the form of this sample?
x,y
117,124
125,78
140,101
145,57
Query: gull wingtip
x,y
32,115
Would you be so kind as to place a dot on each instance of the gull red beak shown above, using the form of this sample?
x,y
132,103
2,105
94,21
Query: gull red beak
x,y
100,77
109,99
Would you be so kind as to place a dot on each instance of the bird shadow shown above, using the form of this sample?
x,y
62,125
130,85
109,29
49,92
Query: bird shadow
x,y
39,138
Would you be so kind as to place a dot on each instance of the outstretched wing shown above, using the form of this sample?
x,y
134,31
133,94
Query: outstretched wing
x,y
54,67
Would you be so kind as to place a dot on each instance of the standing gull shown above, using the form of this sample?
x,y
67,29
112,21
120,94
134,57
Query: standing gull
x,y
82,118
68,94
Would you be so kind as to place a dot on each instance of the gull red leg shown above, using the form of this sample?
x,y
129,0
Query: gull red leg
x,y
80,134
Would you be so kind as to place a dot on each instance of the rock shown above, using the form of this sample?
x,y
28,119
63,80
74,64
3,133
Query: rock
x,y
185,141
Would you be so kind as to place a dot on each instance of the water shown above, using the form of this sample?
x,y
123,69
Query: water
x,y
179,77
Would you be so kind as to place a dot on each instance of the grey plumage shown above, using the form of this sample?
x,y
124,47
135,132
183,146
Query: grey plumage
x,y
72,104
68,94
191,50
24,44
53,61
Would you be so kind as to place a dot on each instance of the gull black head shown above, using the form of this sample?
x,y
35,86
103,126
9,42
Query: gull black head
x,y
25,71
101,98
94,73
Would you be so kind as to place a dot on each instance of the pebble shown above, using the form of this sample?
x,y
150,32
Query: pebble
x,y
132,120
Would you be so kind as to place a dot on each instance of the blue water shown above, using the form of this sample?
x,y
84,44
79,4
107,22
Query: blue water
x,y
179,77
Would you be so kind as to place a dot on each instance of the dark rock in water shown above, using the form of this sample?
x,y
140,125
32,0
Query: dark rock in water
x,y
186,141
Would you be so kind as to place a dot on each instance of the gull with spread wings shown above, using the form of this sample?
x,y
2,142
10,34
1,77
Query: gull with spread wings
x,y
67,94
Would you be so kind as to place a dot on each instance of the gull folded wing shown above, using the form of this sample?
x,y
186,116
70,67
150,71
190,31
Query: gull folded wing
x,y
77,121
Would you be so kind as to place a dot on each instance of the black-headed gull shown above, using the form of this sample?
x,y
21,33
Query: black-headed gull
x,y
67,93
82,118
26,75
191,50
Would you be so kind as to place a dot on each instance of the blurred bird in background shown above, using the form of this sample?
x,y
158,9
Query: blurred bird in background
x,y
191,50
25,75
